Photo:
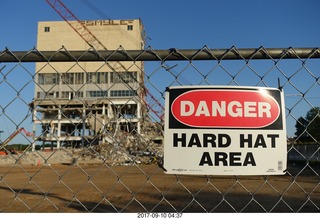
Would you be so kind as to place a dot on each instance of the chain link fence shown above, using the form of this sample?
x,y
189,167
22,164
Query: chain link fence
x,y
92,141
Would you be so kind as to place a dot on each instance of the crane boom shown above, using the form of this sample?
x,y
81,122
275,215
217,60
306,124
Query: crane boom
x,y
96,44
14,134
77,26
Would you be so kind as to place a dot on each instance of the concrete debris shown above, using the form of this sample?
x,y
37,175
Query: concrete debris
x,y
126,150
121,148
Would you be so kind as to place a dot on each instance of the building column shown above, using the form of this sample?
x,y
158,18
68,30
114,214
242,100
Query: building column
x,y
59,128
103,129
83,126
34,128
139,117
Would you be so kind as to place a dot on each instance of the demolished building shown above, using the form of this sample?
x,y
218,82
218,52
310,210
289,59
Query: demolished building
x,y
78,103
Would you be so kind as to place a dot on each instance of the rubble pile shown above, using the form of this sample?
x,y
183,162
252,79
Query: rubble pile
x,y
121,148
127,149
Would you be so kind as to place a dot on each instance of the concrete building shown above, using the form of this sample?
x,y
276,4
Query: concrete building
x,y
78,103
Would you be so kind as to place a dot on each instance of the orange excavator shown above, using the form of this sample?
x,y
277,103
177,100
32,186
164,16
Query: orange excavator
x,y
14,134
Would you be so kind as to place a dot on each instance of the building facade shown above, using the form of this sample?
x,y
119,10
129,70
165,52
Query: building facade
x,y
78,103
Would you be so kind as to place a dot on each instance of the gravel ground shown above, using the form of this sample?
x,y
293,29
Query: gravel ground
x,y
146,188
106,179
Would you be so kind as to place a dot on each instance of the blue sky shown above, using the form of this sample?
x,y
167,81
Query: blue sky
x,y
168,24
180,24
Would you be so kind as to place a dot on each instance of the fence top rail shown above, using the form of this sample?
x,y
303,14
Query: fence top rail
x,y
149,54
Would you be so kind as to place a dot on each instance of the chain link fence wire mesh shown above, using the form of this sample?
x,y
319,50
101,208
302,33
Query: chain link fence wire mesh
x,y
92,141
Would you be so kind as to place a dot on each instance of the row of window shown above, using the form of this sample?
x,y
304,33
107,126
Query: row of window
x,y
88,77
89,94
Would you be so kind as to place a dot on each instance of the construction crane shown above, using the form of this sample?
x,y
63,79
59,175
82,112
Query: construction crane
x,y
154,105
96,44
12,136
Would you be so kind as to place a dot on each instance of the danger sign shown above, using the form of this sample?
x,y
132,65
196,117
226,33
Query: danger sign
x,y
214,130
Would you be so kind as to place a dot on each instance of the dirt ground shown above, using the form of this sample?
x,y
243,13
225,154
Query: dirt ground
x,y
146,188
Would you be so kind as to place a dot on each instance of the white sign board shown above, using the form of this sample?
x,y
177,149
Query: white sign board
x,y
214,130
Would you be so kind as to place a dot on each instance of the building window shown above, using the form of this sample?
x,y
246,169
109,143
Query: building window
x,y
65,94
71,95
67,78
41,95
79,78
129,27
79,93
120,77
51,94
102,77
46,29
97,93
122,93
97,77
48,78
41,79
